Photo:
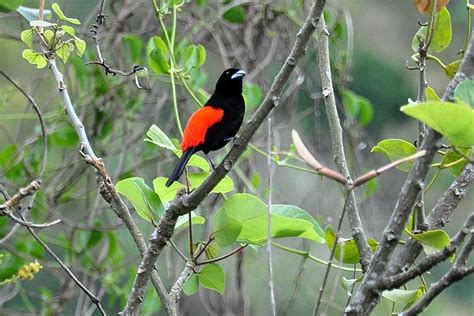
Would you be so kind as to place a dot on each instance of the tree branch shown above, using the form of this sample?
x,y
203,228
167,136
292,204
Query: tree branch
x,y
183,204
367,295
338,143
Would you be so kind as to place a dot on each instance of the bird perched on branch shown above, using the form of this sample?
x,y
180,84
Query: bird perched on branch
x,y
216,123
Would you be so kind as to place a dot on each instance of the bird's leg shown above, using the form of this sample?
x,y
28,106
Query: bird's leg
x,y
210,161
233,139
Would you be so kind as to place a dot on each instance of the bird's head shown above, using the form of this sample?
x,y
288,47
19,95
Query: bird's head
x,y
230,82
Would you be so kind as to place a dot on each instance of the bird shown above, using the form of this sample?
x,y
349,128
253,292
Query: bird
x,y
215,124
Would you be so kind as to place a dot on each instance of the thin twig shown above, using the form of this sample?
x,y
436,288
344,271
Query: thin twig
x,y
331,256
269,224
227,255
30,224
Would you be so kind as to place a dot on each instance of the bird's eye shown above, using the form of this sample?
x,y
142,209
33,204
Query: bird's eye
x,y
226,73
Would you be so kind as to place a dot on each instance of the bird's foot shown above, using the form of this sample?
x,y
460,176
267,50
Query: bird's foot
x,y
213,167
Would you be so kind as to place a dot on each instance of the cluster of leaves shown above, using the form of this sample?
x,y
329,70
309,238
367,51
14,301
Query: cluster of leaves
x,y
58,38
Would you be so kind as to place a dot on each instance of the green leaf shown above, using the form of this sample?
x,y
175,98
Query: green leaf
x,y
465,92
212,277
27,37
10,5
158,62
235,15
357,107
30,14
253,215
191,286
166,194
183,220
145,201
441,36
34,58
350,102
212,251
63,52
366,111
159,138
432,240
156,42
226,228
348,283
431,94
403,298
346,249
58,11
451,156
252,95
293,211
452,120
80,45
69,30
134,45
452,68
194,56
396,149
224,186
73,21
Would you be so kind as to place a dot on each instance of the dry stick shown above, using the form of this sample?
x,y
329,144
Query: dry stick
x,y
456,273
100,20
331,256
108,191
183,204
269,225
367,295
338,144
29,224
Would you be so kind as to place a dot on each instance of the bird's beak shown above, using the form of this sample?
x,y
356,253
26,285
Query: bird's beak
x,y
238,74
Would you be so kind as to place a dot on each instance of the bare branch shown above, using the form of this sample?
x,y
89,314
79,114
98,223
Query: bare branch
x,y
30,224
15,200
338,144
183,204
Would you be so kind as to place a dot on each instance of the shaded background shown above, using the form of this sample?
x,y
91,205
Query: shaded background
x,y
117,116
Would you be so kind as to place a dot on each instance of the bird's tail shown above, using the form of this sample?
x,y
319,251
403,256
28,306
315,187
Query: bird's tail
x,y
179,168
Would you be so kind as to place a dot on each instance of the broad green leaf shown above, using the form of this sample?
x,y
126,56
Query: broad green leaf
x,y
158,62
10,5
154,43
224,186
145,201
452,68
58,11
34,58
212,277
212,251
431,94
30,14
159,138
293,211
194,56
452,120
80,45
27,37
253,215
183,220
441,36
403,298
199,162
349,100
48,34
432,240
357,107
348,283
451,157
346,249
366,111
235,15
396,149
191,286
69,30
465,92
134,44
226,228
40,23
166,194
63,52
252,95
73,21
